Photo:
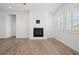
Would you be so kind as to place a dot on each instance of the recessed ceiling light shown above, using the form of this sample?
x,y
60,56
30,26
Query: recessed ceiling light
x,y
10,7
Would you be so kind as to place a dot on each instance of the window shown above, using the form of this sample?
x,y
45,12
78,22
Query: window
x,y
75,19
69,22
60,22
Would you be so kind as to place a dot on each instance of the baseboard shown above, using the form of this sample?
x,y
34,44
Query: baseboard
x,y
22,37
3,37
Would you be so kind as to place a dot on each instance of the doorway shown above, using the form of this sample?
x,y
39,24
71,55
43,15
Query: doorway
x,y
12,25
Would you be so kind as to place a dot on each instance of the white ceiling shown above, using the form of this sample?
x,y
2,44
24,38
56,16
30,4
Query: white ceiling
x,y
30,6
14,7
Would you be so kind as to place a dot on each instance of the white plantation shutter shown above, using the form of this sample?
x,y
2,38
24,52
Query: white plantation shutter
x,y
75,19
60,22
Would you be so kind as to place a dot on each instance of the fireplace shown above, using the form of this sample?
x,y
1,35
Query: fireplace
x,y
38,32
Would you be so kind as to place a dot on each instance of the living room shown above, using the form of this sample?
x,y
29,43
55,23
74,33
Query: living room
x,y
54,26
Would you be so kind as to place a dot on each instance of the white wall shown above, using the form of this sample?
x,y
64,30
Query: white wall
x,y
22,25
69,38
2,25
49,24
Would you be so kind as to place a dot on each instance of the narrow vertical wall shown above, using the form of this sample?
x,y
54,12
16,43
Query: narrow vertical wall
x,y
22,25
2,25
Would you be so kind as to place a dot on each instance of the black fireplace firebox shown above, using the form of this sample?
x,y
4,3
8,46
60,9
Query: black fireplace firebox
x,y
38,32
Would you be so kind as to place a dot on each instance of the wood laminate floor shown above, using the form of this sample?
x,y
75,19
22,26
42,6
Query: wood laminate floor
x,y
13,46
